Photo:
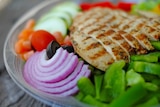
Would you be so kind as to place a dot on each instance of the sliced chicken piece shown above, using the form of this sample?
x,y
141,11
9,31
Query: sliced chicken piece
x,y
91,50
102,36
97,28
129,25
127,40
142,39
133,42
111,46
153,22
124,19
131,28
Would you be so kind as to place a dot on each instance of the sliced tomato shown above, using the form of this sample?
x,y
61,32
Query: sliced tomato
x,y
126,6
104,4
40,39
85,6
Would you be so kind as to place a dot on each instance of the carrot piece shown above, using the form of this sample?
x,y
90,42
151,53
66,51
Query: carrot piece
x,y
59,37
22,46
67,41
19,47
25,33
27,45
30,24
28,54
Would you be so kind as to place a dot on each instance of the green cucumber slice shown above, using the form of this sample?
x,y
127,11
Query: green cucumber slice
x,y
64,15
52,25
65,8
71,4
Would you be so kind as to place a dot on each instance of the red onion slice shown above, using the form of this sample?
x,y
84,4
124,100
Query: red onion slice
x,y
72,76
59,75
67,86
43,60
59,81
72,91
47,71
56,64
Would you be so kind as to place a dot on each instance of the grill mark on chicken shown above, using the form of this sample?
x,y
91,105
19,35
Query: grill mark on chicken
x,y
94,29
155,23
93,45
98,54
80,18
97,28
102,36
133,42
106,42
100,60
130,25
110,45
138,25
89,14
87,24
111,19
149,31
113,36
142,39
115,50
86,39
117,38
98,20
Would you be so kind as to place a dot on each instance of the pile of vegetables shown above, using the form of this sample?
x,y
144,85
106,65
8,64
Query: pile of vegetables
x,y
123,84
136,84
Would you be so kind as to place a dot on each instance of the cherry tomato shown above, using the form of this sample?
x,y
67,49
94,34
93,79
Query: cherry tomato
x,y
40,39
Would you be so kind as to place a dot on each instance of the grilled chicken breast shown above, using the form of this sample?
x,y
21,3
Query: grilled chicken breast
x,y
102,36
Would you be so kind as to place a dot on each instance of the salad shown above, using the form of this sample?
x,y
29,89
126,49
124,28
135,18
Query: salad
x,y
53,65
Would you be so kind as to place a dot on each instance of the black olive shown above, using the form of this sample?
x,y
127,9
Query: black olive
x,y
51,48
70,49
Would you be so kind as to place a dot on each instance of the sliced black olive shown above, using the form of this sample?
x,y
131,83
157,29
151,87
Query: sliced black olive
x,y
70,49
51,48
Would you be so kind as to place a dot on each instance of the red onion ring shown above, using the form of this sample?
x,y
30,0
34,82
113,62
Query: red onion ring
x,y
59,81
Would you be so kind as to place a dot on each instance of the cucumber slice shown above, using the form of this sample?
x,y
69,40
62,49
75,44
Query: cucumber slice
x,y
52,25
64,15
65,8
71,4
